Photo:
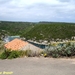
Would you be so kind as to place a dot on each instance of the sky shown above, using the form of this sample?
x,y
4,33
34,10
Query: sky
x,y
37,10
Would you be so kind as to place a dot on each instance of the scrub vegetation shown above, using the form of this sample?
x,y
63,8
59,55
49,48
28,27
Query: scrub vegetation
x,y
67,50
38,31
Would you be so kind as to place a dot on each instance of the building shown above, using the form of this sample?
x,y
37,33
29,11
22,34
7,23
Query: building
x,y
18,44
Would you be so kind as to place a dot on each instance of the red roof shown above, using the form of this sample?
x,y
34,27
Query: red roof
x,y
15,44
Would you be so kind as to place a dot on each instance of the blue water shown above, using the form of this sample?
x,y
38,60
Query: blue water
x,y
13,37
39,45
10,38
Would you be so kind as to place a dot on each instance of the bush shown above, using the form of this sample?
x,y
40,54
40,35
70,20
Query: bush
x,y
22,53
8,54
14,54
55,55
67,51
5,54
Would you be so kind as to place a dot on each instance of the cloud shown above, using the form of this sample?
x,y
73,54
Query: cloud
x,y
64,0
37,10
4,1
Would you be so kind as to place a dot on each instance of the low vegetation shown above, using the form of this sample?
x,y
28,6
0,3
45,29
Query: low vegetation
x,y
67,50
8,54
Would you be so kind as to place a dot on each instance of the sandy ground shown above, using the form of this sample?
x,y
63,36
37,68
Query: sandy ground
x,y
37,66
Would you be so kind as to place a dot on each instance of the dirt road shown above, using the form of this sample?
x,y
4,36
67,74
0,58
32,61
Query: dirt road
x,y
37,66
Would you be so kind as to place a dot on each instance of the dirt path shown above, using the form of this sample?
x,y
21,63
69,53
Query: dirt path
x,y
37,66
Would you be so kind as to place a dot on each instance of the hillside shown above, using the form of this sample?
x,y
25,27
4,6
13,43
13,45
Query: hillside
x,y
14,28
51,30
41,30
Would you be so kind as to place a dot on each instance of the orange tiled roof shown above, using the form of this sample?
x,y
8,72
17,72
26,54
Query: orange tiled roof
x,y
15,44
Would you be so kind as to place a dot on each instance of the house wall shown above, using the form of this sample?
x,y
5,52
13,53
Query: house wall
x,y
32,48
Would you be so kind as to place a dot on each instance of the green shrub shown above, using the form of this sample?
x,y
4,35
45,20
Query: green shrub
x,y
22,53
14,54
67,51
5,54
8,54
55,55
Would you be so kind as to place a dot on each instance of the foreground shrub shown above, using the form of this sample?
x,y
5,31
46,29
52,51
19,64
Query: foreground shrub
x,y
54,51
8,54
14,54
5,54
67,51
